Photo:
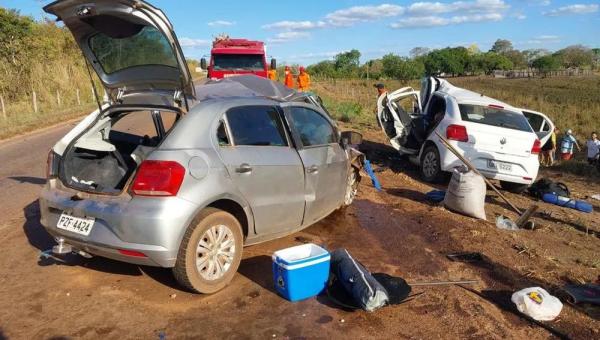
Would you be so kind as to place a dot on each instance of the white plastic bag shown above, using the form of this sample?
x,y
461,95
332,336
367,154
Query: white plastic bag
x,y
466,194
537,303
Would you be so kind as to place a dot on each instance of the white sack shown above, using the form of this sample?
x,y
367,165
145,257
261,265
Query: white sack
x,y
537,303
466,194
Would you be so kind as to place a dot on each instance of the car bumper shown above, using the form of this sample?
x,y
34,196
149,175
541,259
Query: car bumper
x,y
524,170
151,226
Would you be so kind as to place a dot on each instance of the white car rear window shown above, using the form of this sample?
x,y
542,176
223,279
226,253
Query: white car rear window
x,y
489,115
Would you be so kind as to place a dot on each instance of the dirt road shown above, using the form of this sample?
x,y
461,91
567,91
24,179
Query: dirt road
x,y
394,231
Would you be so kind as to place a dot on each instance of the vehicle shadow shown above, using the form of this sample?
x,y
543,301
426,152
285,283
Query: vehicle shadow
x,y
259,270
409,194
383,155
29,179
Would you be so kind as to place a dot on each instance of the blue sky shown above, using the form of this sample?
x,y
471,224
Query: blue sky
x,y
311,30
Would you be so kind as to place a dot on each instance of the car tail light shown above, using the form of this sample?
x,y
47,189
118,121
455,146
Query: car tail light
x,y
52,164
457,132
537,147
131,253
158,178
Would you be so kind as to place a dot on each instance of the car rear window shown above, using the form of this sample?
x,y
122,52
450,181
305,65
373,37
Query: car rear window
x,y
146,47
494,116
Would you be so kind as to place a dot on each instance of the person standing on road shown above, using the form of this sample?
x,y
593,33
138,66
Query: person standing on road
x,y
272,74
548,150
303,80
289,78
566,145
593,149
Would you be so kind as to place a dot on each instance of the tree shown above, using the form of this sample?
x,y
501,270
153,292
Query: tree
x,y
402,68
502,46
473,49
324,68
575,56
419,52
517,58
546,63
490,61
531,55
346,63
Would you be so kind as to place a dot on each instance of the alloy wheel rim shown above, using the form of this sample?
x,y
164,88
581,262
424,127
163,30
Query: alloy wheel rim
x,y
351,188
429,164
215,252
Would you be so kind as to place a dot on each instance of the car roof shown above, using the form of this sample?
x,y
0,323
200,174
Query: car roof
x,y
464,96
246,86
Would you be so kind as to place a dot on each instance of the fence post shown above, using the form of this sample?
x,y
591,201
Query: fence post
x,y
58,97
35,106
78,98
3,109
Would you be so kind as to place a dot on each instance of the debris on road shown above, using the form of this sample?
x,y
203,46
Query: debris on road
x,y
436,196
505,223
371,174
466,194
301,272
537,303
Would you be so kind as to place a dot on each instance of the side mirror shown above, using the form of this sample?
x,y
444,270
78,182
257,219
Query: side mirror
x,y
203,63
273,64
351,138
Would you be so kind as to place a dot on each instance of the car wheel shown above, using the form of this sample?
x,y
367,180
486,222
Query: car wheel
x,y
431,170
516,188
351,186
210,252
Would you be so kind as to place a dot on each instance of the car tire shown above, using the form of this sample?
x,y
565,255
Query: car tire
x,y
351,186
210,252
431,170
516,188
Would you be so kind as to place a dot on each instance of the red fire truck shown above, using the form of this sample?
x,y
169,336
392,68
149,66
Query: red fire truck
x,y
231,57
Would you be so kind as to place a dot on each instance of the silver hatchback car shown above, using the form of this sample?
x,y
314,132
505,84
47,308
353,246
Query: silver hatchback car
x,y
166,174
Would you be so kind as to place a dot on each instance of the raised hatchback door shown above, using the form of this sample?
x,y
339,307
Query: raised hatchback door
x,y
265,169
541,124
130,44
325,162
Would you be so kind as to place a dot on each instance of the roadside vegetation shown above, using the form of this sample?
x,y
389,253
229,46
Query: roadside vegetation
x,y
458,61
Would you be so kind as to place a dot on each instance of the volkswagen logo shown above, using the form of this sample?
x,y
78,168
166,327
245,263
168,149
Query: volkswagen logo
x,y
503,140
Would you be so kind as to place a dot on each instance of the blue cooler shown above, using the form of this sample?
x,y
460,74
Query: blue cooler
x,y
300,272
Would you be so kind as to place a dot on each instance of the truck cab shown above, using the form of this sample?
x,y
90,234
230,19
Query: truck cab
x,y
231,57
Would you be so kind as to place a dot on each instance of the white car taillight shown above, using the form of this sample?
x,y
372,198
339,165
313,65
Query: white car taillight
x,y
158,178
457,133
537,147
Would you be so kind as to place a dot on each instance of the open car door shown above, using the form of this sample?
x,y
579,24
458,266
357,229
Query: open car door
x,y
541,124
395,112
428,86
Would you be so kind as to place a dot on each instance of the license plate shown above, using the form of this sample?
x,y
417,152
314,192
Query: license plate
x,y
82,226
499,165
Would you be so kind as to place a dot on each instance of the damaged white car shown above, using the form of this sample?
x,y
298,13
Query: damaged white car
x,y
497,138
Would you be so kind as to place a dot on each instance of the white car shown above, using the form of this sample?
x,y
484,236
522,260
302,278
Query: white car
x,y
496,137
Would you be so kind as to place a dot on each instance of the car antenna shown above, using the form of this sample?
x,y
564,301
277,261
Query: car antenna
x,y
87,66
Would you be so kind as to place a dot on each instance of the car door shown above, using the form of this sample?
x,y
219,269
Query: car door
x,y
325,162
541,124
264,166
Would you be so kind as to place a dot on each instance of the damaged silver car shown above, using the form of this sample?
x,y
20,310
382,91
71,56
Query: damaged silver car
x,y
171,175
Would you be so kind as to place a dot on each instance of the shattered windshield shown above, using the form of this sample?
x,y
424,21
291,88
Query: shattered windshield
x,y
147,47
494,116
238,62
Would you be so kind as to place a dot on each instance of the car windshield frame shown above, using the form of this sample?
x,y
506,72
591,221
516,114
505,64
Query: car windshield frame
x,y
237,57
519,121
169,53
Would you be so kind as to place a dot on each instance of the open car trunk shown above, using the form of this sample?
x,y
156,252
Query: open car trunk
x,y
104,158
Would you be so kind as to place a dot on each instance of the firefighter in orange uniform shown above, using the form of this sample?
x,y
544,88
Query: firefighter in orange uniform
x,y
272,74
303,80
289,78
